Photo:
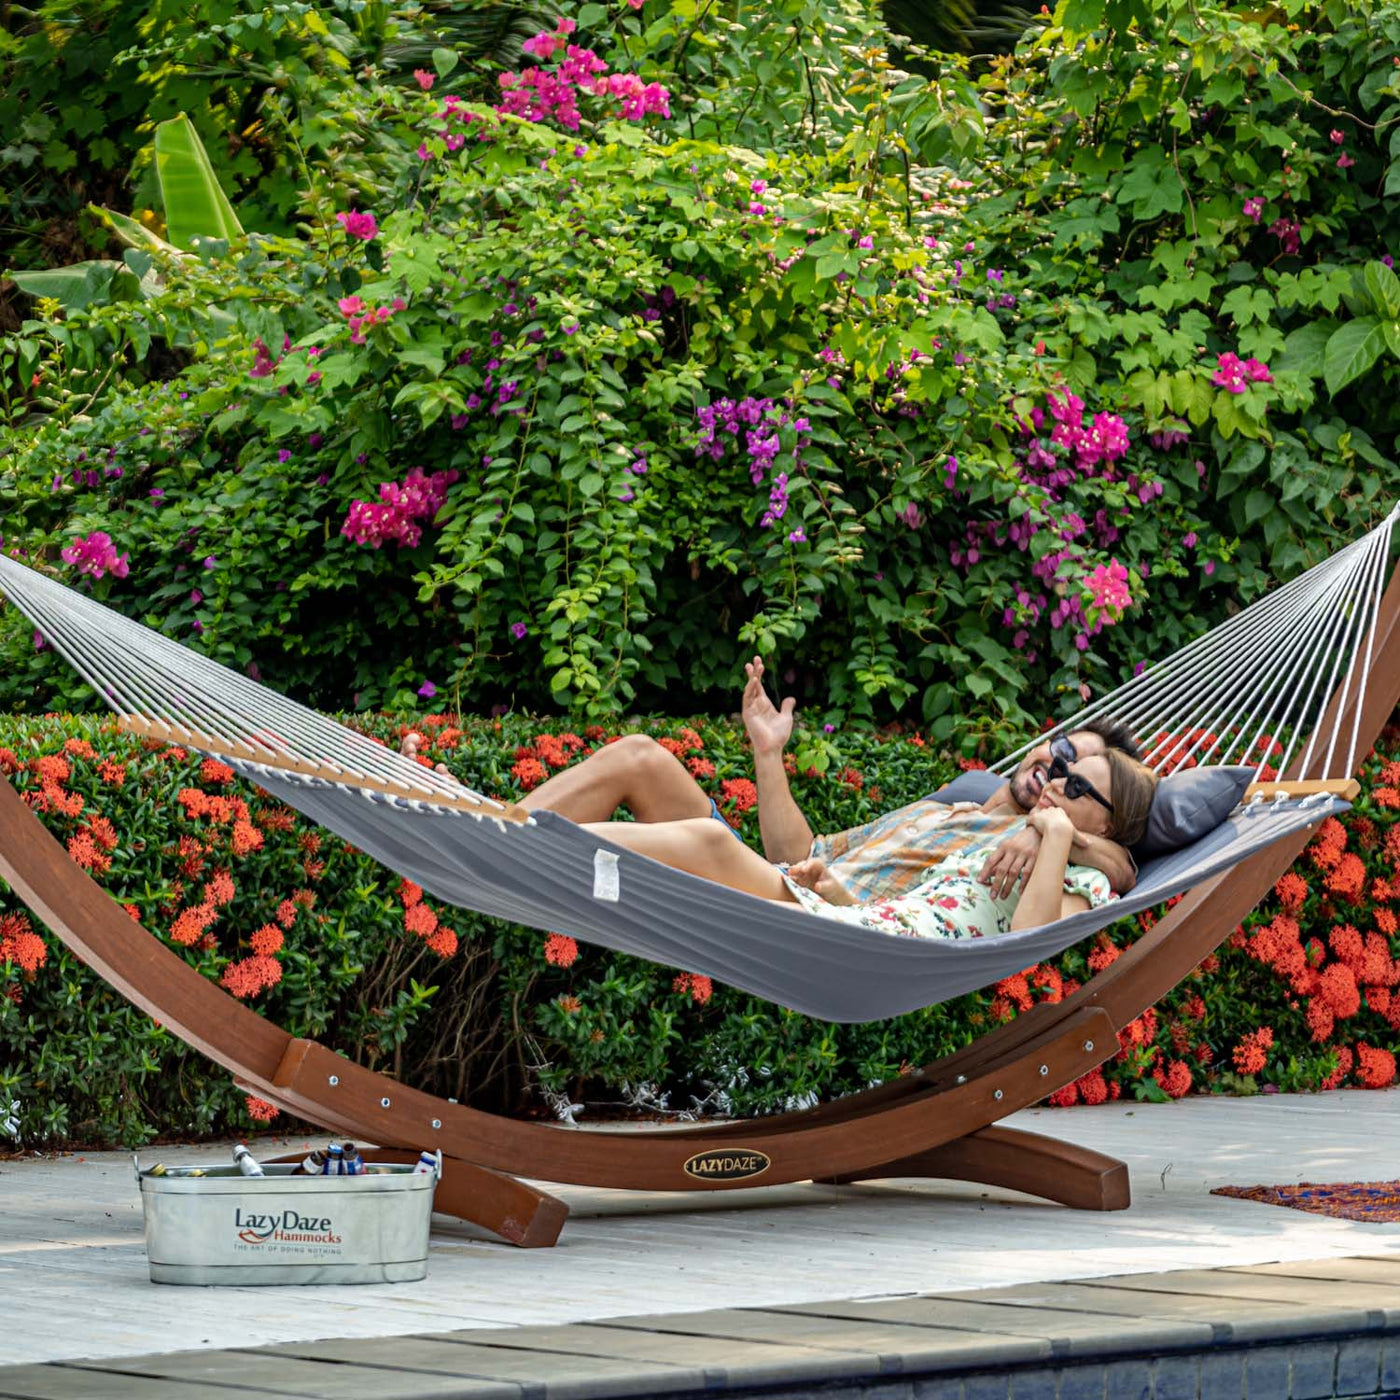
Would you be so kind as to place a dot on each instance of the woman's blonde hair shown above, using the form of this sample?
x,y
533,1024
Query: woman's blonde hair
x,y
1133,787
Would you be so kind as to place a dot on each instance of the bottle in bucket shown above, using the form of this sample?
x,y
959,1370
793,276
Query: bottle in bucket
x,y
427,1162
353,1162
314,1163
335,1160
245,1162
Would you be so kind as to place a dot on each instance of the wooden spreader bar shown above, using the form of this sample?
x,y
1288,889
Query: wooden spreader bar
x,y
1345,788
935,1122
271,758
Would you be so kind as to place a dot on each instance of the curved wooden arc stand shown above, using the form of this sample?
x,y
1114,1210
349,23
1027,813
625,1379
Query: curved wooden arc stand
x,y
935,1122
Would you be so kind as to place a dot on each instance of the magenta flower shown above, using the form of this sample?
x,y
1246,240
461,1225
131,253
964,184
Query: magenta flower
x,y
427,690
95,554
518,630
1344,161
1253,208
350,306
1108,588
1230,373
210,560
196,597
867,242
357,225
425,78
283,455
1336,136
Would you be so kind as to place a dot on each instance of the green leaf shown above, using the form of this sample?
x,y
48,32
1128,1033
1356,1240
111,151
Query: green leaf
x,y
195,204
444,60
1304,351
1257,505
1151,185
1351,351
1383,286
74,287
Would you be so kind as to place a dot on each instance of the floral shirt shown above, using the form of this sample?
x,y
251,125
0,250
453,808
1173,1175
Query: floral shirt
x,y
892,854
950,902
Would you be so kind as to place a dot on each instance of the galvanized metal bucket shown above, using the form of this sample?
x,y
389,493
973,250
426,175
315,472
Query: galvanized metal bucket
x,y
213,1225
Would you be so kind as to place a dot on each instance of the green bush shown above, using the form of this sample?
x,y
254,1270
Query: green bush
x,y
1036,421
328,943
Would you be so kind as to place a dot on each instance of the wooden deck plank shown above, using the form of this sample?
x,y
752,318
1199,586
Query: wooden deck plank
x,y
559,1374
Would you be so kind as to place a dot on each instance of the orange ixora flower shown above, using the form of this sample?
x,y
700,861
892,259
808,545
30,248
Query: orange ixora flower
x,y
568,1005
267,940
246,838
51,768
443,941
700,987
190,923
528,772
20,945
1291,890
79,748
260,1111
1252,1052
560,950
421,920
1175,1079
740,791
215,773
1375,1068
700,767
1386,797
112,773
409,893
286,913
251,975
83,851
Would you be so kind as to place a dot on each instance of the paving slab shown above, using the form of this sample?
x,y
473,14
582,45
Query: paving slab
x,y
1070,1333
61,1382
1261,1321
1380,1300
538,1375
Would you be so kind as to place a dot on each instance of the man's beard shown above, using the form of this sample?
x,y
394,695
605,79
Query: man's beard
x,y
1024,792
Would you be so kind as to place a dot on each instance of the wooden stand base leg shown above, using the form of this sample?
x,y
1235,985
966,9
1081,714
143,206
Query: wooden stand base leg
x,y
1039,1166
519,1214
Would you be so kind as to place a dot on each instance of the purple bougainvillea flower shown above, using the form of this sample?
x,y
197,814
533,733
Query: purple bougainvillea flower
x,y
196,597
427,690
518,630
210,560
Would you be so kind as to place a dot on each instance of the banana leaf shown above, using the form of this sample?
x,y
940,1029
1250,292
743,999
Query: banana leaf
x,y
195,204
82,284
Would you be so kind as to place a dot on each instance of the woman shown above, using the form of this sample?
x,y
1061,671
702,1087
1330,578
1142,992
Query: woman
x,y
1104,794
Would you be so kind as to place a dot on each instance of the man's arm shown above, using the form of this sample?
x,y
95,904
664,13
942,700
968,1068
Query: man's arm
x,y
1108,856
1010,863
786,835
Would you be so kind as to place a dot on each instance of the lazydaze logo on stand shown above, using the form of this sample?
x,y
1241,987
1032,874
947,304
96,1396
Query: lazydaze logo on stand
x,y
728,1165
284,1227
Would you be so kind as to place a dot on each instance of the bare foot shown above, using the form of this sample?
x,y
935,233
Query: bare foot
x,y
813,875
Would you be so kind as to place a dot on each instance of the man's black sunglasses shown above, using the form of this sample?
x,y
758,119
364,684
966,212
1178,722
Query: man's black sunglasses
x,y
1075,786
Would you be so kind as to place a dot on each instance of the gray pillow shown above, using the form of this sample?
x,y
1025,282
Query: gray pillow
x,y
1190,803
976,786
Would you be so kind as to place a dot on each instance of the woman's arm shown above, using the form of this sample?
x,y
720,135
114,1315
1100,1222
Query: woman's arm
x,y
1044,899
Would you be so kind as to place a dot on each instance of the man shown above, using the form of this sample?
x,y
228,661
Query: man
x,y
881,859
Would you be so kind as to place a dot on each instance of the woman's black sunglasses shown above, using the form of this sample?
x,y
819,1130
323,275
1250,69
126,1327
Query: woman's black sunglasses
x,y
1075,786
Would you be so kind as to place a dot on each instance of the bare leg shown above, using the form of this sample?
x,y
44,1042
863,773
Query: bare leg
x,y
635,772
702,847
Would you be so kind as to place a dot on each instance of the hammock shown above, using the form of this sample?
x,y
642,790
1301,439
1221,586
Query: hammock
x,y
1279,667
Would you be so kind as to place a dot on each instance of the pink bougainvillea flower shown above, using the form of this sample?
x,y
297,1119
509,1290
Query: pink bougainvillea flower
x,y
1344,161
95,554
1336,136
357,225
1230,373
1253,208
425,78
1108,586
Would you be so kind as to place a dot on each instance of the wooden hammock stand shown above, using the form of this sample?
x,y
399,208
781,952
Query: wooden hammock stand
x,y
935,1122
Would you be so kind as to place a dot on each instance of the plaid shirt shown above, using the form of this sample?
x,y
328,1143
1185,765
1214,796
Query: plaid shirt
x,y
892,854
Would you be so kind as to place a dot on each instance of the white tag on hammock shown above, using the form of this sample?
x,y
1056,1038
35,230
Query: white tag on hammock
x,y
606,884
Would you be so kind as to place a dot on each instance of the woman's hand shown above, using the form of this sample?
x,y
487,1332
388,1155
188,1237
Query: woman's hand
x,y
769,727
1051,821
813,875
